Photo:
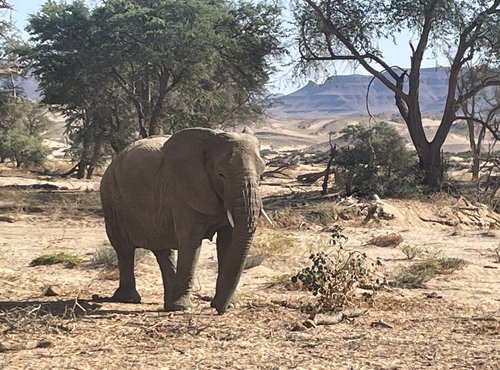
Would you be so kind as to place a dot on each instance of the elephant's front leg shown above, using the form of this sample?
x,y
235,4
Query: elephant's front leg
x,y
187,258
165,259
224,236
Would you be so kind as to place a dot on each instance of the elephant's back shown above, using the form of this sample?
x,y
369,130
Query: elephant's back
x,y
137,160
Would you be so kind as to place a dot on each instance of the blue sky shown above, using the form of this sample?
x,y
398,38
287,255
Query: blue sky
x,y
282,81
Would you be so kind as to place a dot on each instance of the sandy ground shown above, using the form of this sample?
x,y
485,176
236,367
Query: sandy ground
x,y
454,323
451,323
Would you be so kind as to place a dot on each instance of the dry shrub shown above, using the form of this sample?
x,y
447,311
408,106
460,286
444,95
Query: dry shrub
x,y
286,218
388,240
496,255
69,260
324,215
41,318
336,277
416,275
268,244
105,256
71,204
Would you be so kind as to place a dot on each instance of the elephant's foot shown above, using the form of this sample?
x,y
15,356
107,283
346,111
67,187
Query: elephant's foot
x,y
180,304
233,303
126,296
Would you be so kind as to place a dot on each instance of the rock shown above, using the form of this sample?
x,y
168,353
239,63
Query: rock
x,y
8,219
380,324
52,291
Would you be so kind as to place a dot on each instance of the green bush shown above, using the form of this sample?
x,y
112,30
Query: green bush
x,y
21,123
69,260
24,149
380,161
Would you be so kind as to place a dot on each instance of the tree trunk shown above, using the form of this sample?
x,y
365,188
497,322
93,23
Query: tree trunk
x,y
432,166
94,160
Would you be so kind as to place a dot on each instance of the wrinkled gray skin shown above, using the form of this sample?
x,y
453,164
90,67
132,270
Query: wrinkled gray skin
x,y
171,197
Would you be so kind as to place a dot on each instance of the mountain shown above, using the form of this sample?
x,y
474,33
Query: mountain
x,y
346,96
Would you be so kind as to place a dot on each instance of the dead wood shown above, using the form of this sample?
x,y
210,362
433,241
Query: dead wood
x,y
310,178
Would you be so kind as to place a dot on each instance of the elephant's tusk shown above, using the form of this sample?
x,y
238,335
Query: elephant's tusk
x,y
230,218
266,216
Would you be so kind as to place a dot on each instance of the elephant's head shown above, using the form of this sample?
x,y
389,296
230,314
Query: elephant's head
x,y
218,174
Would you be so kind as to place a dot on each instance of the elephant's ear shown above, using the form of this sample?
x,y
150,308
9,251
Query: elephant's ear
x,y
184,165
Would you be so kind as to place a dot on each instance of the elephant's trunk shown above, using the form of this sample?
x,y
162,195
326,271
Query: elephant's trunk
x,y
246,205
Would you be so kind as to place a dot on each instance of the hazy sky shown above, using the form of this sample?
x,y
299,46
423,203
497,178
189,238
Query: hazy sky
x,y
282,81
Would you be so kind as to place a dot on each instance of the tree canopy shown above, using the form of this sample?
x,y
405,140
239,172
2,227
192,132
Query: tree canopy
x,y
176,63
348,30
148,67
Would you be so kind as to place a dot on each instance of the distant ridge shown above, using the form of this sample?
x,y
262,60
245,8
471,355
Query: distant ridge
x,y
346,96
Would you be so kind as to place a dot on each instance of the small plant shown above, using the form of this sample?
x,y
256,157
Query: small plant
x,y
335,278
69,260
388,240
324,215
412,251
416,275
496,255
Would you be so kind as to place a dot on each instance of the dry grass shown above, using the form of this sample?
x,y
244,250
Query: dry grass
x,y
285,218
388,240
105,257
416,275
43,317
326,214
273,244
55,204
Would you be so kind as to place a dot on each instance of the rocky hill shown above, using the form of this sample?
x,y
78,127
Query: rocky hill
x,y
346,96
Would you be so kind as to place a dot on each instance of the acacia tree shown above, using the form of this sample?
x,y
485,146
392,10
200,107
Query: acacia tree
x,y
188,63
63,57
348,30
481,111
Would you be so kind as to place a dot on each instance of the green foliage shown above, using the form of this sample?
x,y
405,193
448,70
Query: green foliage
x,y
124,69
380,161
69,260
466,32
21,123
411,251
335,277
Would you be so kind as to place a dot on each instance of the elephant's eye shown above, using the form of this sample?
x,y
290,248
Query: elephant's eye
x,y
222,175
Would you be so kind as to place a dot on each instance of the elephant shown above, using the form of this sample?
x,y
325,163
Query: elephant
x,y
171,196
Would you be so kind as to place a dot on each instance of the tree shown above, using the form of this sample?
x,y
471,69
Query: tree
x,y
348,30
481,111
142,68
21,123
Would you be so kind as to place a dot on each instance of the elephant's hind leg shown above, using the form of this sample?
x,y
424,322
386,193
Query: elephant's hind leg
x,y
165,259
125,252
126,292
